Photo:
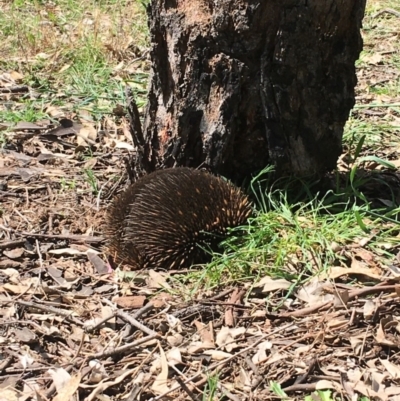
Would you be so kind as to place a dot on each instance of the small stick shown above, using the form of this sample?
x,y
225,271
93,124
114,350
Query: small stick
x,y
15,89
72,237
387,10
122,348
132,321
11,244
184,386
50,309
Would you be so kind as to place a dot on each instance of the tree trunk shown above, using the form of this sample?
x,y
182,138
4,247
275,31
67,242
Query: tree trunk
x,y
239,84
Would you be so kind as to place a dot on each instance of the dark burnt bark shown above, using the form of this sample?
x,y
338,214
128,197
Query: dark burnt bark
x,y
239,84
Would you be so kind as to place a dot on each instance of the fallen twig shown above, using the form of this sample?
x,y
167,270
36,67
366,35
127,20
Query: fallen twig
x,y
388,11
49,309
123,348
71,237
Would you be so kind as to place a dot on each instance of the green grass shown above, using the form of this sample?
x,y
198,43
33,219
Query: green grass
x,y
29,111
211,389
92,181
376,133
297,241
288,241
77,54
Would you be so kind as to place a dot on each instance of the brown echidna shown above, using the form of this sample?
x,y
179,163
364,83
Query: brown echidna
x,y
167,218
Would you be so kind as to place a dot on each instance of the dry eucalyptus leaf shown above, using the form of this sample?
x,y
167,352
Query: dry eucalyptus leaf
x,y
9,394
98,371
158,280
20,289
124,145
60,377
176,340
66,251
12,274
394,370
226,336
261,353
205,331
375,58
197,347
15,253
16,76
357,268
68,389
357,345
384,325
315,292
25,335
269,284
174,356
369,309
100,266
160,384
217,355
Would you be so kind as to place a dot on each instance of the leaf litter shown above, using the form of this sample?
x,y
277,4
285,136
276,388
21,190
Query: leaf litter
x,y
74,328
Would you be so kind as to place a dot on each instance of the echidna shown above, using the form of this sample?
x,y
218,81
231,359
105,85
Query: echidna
x,y
168,218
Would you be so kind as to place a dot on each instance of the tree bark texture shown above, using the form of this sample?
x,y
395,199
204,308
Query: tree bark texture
x,y
239,84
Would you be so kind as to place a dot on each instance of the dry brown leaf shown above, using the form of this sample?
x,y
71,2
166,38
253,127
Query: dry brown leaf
x,y
55,112
392,390
325,384
66,251
357,344
393,369
20,289
367,391
357,268
244,379
217,355
86,135
131,301
196,347
12,274
365,255
89,165
69,389
124,145
269,284
9,394
60,378
384,325
15,253
160,385
374,58
205,331
226,336
369,309
100,266
314,292
174,356
337,323
158,279
176,340
16,76
24,335
261,353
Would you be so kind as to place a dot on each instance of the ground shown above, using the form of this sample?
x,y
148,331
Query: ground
x,y
303,307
